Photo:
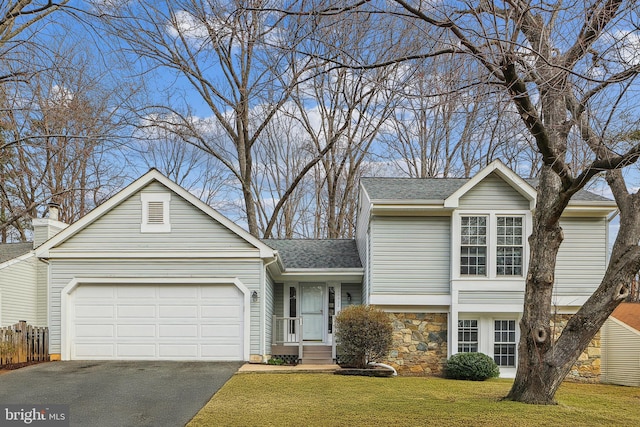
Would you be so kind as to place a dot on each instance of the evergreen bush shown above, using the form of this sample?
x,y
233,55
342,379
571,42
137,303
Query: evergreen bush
x,y
471,366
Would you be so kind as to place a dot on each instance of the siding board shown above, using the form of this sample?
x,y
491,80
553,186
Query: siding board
x,y
410,255
582,256
18,287
493,193
119,230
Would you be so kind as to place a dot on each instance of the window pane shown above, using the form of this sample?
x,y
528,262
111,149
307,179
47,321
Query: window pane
x,y
467,336
509,246
504,347
473,249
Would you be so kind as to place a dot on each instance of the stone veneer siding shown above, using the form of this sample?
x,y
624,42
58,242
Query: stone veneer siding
x,y
419,343
420,346
587,368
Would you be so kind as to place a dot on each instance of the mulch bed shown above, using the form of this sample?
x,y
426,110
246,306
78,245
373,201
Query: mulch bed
x,y
368,372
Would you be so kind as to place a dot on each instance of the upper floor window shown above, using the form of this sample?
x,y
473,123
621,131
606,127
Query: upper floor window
x,y
473,245
155,212
491,245
509,246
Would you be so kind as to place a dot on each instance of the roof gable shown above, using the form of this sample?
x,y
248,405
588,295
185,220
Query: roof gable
x,y
498,168
134,188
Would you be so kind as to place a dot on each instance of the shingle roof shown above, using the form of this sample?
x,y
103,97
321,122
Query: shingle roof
x,y
10,251
435,189
629,313
308,253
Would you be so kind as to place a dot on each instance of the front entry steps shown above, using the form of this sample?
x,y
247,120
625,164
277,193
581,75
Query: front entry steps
x,y
317,355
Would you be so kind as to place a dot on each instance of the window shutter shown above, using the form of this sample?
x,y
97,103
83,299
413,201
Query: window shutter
x,y
156,213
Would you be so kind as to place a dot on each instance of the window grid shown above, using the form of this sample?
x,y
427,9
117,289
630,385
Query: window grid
x,y
509,246
467,336
504,345
473,245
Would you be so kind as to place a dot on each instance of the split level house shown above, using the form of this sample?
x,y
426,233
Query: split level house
x,y
155,273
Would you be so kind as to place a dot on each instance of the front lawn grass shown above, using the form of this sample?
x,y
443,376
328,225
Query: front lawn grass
x,y
336,400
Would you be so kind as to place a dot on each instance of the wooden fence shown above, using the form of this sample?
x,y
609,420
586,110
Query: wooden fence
x,y
22,343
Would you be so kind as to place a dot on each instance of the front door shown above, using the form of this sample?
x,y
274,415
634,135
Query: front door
x,y
312,312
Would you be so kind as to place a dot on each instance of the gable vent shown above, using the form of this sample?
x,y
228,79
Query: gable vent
x,y
156,213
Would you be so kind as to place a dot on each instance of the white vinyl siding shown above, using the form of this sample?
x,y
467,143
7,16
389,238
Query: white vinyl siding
x,y
119,230
491,297
620,354
64,270
493,193
410,255
19,293
582,256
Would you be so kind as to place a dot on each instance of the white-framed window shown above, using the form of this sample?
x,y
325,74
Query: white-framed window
x,y
490,245
473,245
467,336
504,342
492,334
509,245
155,213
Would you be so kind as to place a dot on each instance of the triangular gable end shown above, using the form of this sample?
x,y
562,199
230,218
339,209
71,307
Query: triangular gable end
x,y
132,189
509,176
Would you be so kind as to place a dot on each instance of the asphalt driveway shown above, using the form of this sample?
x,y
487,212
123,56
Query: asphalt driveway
x,y
119,393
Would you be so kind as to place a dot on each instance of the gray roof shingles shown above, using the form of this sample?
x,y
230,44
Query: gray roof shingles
x,y
436,189
9,251
308,253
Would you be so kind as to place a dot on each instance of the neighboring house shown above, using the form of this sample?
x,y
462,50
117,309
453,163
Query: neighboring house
x,y
154,273
621,346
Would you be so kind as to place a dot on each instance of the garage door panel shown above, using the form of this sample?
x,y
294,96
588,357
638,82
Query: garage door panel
x,y
93,311
180,292
136,331
166,331
220,331
137,311
222,311
95,351
152,322
219,352
142,351
136,292
89,331
178,351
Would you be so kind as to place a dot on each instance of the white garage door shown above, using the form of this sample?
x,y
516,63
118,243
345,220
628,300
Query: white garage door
x,y
156,322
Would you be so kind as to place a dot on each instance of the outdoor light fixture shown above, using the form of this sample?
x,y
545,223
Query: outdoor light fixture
x,y
254,296
348,297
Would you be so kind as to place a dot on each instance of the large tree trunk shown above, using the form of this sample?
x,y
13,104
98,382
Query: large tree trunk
x,y
542,363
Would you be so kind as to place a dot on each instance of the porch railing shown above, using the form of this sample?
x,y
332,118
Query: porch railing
x,y
288,330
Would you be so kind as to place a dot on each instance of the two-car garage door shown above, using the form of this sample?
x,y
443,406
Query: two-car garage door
x,y
156,322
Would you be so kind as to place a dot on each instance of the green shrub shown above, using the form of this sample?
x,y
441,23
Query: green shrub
x,y
471,366
363,334
275,361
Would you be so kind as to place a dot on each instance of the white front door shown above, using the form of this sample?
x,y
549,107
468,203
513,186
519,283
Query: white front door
x,y
312,312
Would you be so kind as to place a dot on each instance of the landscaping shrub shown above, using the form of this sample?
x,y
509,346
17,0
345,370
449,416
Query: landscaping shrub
x,y
471,366
364,334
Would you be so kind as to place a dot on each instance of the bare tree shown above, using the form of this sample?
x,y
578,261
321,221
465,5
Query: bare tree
x,y
237,62
564,68
63,126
